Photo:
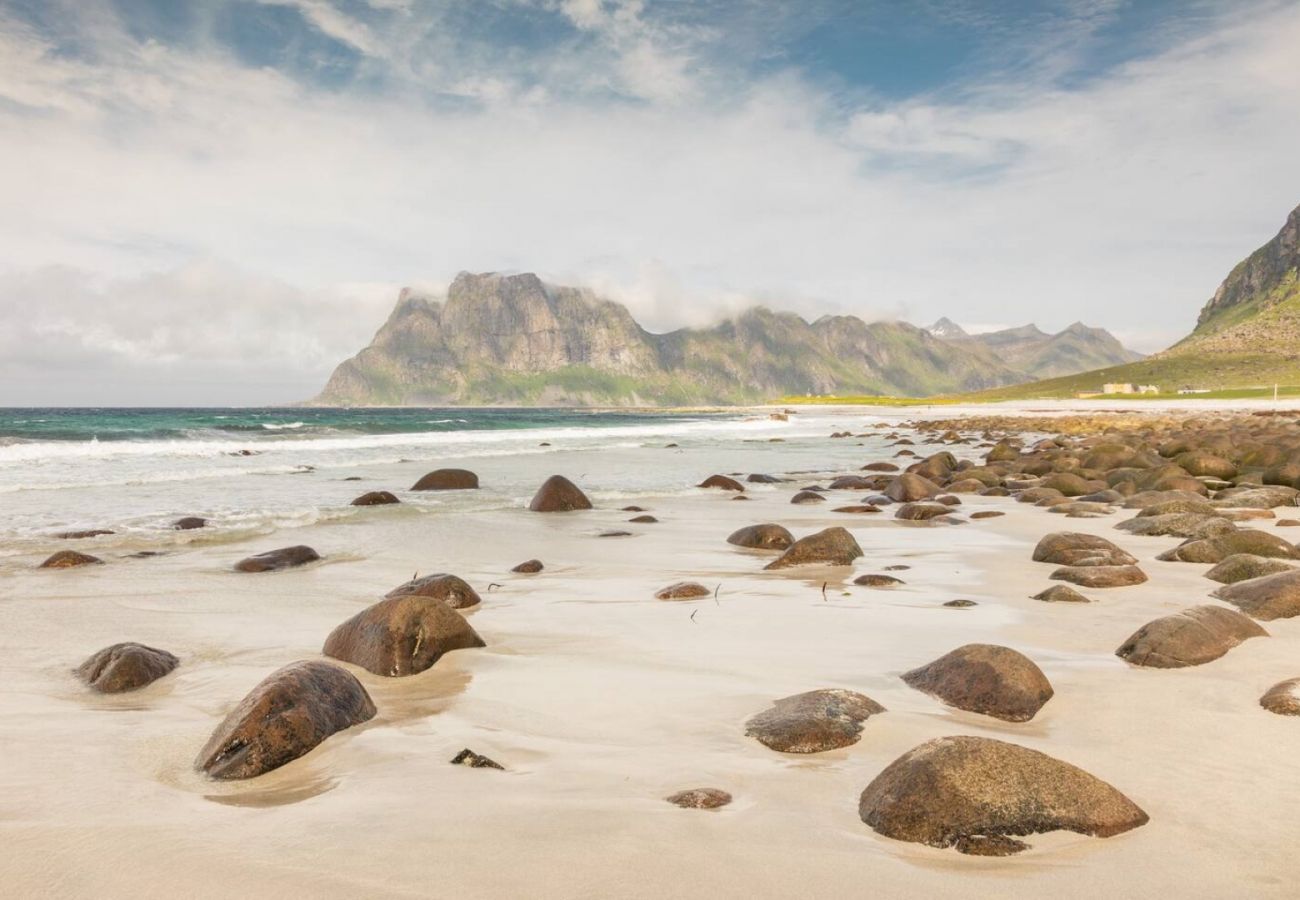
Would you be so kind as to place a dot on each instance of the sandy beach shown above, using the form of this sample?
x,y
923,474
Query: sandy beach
x,y
599,700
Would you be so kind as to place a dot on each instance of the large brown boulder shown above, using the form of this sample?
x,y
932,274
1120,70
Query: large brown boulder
x,y
920,512
1003,451
977,794
1178,524
1068,548
273,560
453,591
1071,485
189,523
376,498
559,494
1100,576
1244,566
1253,496
1198,462
1189,638
125,667
829,547
1218,548
284,717
401,636
722,482
1283,698
986,679
70,559
1267,597
767,536
814,721
447,480
909,487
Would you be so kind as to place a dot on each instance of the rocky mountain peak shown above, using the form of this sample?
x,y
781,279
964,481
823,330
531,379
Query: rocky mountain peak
x,y
947,329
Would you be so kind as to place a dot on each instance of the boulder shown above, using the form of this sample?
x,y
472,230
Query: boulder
x,y
559,494
453,591
722,482
852,483
1257,497
700,798
1061,593
977,794
909,487
1178,524
70,559
814,721
1070,485
1003,451
88,533
447,480
401,636
880,467
759,478
643,520
1198,463
1283,698
1100,576
1244,566
877,581
125,667
1068,548
529,567
920,512
767,536
1267,597
807,497
857,508
1218,548
987,514
829,547
683,590
1189,638
189,523
284,717
273,560
376,498
986,679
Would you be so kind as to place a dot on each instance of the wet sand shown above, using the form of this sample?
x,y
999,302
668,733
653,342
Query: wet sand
x,y
600,700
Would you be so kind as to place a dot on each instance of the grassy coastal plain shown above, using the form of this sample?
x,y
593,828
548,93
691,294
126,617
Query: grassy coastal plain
x,y
598,700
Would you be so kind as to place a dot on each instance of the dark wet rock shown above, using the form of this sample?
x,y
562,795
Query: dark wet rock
x,y
767,536
760,478
880,467
376,498
830,547
283,718
559,494
470,759
985,679
401,636
633,509
614,533
857,508
89,533
1068,548
683,590
274,560
1283,698
1217,549
1244,566
450,589
877,581
721,482
189,523
807,497
1061,593
700,798
852,483
125,667
814,721
529,567
920,512
447,480
909,487
643,520
1189,638
978,795
987,514
1267,597
961,604
70,559
353,478
1100,576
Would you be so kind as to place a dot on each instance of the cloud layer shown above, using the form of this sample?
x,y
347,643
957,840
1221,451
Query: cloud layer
x,y
683,164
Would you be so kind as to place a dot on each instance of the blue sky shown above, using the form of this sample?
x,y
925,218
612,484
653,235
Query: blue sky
x,y
218,200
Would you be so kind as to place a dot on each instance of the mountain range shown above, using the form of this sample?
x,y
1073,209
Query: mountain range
x,y
513,339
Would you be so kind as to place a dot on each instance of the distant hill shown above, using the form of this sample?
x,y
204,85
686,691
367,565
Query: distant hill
x,y
512,339
1030,350
1247,335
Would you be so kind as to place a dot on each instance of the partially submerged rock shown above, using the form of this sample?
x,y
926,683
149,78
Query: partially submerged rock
x,y
559,494
529,567
70,559
1067,548
909,486
1189,638
125,667
1100,576
767,536
683,590
921,512
283,718
1061,593
401,636
189,523
722,482
807,497
829,547
447,480
274,560
813,721
1283,698
376,498
877,581
450,589
978,794
1268,597
986,679
700,798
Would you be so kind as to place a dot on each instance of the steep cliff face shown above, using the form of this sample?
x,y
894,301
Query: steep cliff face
x,y
1256,276
512,339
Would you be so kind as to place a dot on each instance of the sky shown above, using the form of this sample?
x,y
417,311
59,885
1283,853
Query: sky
x,y
216,201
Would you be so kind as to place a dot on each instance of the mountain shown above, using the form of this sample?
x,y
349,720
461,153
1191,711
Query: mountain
x,y
513,339
947,329
1031,350
1247,335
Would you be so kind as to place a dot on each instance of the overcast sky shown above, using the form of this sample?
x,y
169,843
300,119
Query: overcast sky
x,y
216,201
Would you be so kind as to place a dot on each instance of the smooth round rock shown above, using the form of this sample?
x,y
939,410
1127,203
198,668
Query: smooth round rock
x,y
274,560
814,721
376,498
70,559
1190,638
401,636
829,547
985,679
125,667
683,590
447,480
450,589
559,494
